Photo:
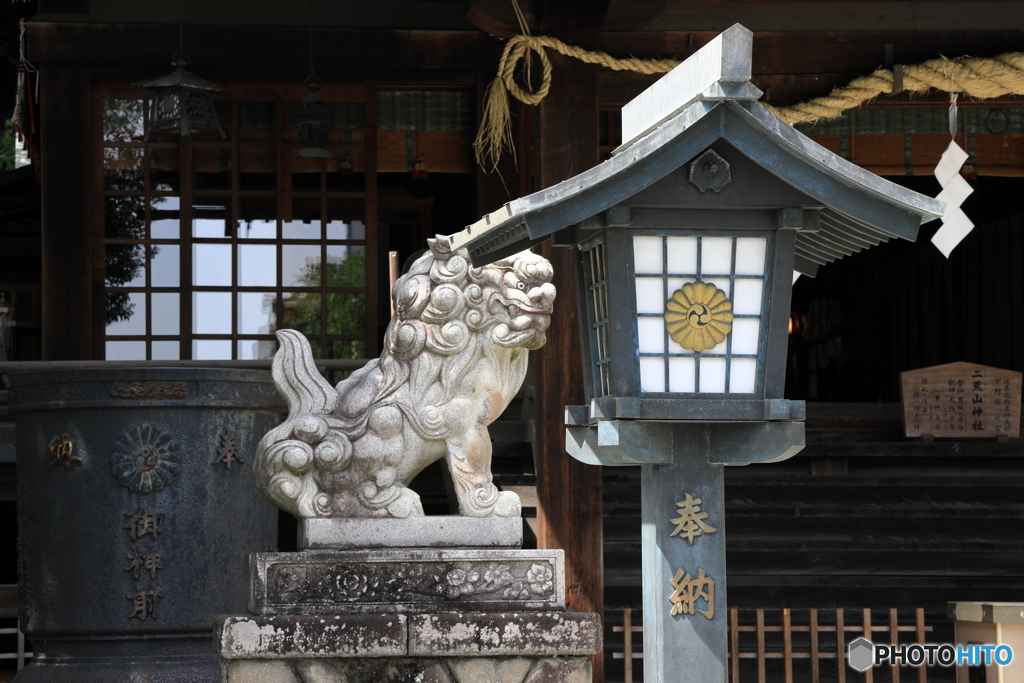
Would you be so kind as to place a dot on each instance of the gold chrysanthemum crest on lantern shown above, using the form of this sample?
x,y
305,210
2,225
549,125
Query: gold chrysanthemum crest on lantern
x,y
698,316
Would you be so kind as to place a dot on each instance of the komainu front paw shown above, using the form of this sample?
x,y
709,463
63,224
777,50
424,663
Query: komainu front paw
x,y
488,501
508,505
406,505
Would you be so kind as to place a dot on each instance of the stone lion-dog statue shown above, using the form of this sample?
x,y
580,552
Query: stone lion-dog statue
x,y
454,356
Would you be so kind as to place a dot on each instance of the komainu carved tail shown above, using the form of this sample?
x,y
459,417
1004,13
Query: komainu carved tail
x,y
288,457
296,377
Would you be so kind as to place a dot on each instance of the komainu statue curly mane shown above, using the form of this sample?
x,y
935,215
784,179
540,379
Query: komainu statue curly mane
x,y
454,356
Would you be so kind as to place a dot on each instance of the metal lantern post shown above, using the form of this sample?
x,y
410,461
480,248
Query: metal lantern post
x,y
181,103
687,241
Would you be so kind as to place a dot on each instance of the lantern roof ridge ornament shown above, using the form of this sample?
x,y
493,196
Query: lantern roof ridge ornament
x,y
719,70
706,99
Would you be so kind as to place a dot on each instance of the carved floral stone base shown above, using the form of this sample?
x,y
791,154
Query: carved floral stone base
x,y
406,580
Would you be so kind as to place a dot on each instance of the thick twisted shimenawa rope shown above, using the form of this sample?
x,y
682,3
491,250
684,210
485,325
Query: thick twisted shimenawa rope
x,y
976,77
981,78
495,134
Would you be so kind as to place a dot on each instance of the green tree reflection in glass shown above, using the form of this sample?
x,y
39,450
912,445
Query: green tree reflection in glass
x,y
124,216
7,143
346,311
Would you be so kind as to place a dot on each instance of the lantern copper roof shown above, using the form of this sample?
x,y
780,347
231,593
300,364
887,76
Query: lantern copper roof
x,y
716,102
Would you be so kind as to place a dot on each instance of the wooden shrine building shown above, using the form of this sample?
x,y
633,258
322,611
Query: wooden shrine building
x,y
148,249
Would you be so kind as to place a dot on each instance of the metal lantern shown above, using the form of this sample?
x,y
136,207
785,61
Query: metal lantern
x,y
312,118
702,326
181,103
687,241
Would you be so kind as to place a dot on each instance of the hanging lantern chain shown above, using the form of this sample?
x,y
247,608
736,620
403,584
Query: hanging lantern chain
x,y
181,55
312,114
312,71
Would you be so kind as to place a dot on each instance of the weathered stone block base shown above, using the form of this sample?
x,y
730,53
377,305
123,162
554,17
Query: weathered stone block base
x,y
406,670
468,647
453,634
436,531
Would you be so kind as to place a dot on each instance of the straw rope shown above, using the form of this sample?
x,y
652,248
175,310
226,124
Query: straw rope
x,y
495,134
976,77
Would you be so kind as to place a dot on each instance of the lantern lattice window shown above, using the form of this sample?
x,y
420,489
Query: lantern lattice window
x,y
735,266
596,283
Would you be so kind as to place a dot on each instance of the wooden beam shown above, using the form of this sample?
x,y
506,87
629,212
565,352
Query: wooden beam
x,y
260,46
498,17
798,1
259,49
356,14
64,6
64,105
841,16
823,52
236,79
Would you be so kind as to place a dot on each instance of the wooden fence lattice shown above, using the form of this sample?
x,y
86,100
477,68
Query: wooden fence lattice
x,y
9,614
738,650
20,655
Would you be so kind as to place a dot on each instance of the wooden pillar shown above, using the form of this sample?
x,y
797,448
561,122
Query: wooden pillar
x,y
66,225
570,511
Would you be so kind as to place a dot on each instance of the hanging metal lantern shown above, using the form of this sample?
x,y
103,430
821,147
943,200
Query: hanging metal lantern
x,y
312,118
181,103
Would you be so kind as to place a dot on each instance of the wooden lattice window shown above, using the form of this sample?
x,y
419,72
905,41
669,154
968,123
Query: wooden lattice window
x,y
210,247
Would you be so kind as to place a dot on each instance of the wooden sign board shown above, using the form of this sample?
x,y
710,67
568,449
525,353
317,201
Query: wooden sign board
x,y
961,400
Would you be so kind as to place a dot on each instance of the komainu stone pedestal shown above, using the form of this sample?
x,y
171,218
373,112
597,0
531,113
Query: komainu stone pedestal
x,y
429,615
461,647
